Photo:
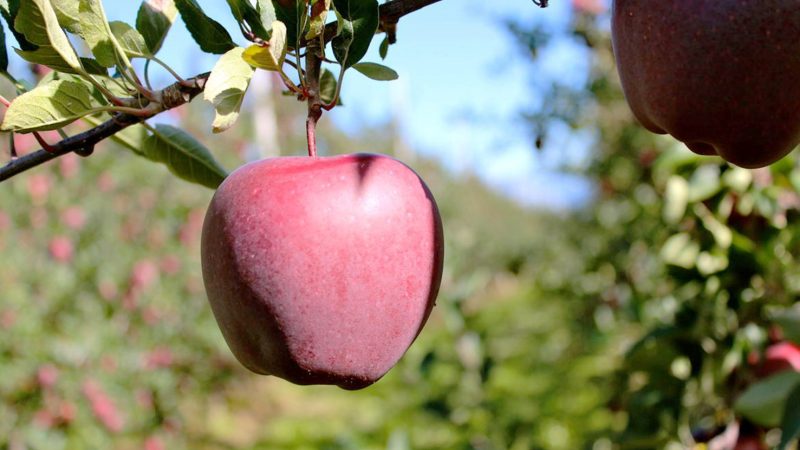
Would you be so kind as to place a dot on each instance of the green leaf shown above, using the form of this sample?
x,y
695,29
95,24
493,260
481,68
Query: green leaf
x,y
319,15
270,57
383,50
184,156
49,107
38,22
376,71
291,13
207,32
764,402
266,13
94,30
67,13
790,424
358,22
789,320
154,20
327,87
226,87
10,10
245,12
131,41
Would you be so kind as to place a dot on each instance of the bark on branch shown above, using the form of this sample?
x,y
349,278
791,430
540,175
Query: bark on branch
x,y
174,96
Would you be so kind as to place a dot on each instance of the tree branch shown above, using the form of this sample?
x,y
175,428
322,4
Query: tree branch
x,y
172,96
176,95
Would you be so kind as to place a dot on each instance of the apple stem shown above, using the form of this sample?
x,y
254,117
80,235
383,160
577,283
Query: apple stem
x,y
314,113
314,57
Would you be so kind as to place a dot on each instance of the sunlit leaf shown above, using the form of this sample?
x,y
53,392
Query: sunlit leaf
x,y
269,57
319,15
38,22
226,87
49,107
94,30
131,41
67,13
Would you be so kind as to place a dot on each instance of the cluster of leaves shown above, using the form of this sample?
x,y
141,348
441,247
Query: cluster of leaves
x,y
47,32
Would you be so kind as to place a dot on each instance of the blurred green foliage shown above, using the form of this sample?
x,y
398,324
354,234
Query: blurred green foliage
x,y
635,322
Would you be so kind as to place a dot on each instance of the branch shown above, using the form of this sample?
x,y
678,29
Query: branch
x,y
172,96
390,14
176,95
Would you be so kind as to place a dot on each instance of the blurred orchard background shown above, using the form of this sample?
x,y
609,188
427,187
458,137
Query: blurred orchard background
x,y
604,288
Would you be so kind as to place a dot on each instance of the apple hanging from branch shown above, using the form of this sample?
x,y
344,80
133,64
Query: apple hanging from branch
x,y
322,270
718,75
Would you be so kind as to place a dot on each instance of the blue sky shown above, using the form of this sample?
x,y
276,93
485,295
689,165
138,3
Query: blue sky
x,y
463,82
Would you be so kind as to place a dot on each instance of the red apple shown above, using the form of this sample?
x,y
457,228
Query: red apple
x,y
718,75
322,270
779,357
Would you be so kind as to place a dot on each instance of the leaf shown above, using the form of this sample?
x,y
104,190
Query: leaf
x,y
266,13
184,156
319,15
383,50
67,13
291,13
38,22
376,71
94,30
49,107
207,32
327,86
154,20
226,87
270,57
245,12
765,401
789,320
10,9
790,424
131,41
358,22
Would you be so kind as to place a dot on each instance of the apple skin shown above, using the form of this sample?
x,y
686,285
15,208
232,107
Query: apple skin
x,y
779,357
322,270
718,75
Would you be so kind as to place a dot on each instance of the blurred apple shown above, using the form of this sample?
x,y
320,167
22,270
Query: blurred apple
x,y
718,75
322,270
780,357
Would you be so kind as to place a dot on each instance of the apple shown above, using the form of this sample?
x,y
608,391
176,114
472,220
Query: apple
x,y
718,75
779,357
322,270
